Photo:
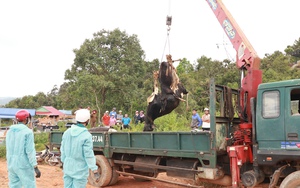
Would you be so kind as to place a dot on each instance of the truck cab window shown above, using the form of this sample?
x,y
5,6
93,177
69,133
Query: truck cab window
x,y
271,104
295,97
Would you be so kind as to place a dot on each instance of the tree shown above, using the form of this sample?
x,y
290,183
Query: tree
x,y
107,70
184,67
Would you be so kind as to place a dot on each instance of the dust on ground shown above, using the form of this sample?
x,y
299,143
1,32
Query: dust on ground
x,y
52,177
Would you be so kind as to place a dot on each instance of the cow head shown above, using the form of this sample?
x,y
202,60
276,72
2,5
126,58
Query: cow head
x,y
181,90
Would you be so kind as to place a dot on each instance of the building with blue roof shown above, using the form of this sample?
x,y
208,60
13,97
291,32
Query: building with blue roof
x,y
9,113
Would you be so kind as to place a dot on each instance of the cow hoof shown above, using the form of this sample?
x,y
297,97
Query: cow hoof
x,y
148,128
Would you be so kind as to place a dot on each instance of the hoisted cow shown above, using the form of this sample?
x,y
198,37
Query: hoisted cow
x,y
172,91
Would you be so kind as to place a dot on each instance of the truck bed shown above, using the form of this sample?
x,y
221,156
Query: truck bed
x,y
176,144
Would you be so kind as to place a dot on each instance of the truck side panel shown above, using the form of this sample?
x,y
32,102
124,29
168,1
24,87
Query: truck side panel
x,y
177,144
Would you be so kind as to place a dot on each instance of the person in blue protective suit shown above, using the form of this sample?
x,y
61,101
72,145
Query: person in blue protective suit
x,y
77,153
20,153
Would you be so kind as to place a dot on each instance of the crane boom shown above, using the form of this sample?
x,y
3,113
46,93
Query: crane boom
x,y
247,59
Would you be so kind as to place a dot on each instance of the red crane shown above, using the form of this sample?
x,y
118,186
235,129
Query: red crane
x,y
248,63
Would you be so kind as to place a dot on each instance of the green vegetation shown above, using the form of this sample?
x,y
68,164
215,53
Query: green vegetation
x,y
40,140
2,152
170,122
62,126
110,70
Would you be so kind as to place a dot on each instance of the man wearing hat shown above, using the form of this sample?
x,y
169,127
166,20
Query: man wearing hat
x,y
206,120
77,152
20,153
119,117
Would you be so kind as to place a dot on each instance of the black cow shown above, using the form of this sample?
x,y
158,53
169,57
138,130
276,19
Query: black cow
x,y
172,91
162,104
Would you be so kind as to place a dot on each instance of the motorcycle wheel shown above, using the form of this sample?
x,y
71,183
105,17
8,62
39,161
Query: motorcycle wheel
x,y
46,159
51,163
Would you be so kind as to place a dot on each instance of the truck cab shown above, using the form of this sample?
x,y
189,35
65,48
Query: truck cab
x,y
277,126
278,122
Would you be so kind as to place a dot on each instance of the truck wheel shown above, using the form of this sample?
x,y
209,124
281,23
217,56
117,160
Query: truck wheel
x,y
250,179
292,180
104,170
114,177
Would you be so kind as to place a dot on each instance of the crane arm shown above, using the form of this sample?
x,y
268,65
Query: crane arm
x,y
245,53
247,59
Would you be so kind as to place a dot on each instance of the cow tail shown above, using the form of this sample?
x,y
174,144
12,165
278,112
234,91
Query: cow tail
x,y
187,102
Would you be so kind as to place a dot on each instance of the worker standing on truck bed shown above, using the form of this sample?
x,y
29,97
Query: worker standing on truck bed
x,y
206,120
20,153
196,120
77,153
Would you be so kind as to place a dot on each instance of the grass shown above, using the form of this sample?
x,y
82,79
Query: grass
x,y
171,122
40,139
2,152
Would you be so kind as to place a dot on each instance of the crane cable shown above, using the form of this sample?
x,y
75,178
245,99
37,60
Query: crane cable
x,y
168,23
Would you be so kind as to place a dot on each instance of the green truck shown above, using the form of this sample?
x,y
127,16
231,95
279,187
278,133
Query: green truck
x,y
204,155
254,133
193,155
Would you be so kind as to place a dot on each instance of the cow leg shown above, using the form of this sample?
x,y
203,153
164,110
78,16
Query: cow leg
x,y
148,127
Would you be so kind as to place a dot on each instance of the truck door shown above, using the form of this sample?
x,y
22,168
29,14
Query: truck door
x,y
270,118
292,118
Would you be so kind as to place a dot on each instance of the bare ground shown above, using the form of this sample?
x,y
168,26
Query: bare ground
x,y
52,178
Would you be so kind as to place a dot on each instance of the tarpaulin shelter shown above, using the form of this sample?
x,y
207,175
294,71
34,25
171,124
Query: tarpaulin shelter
x,y
9,113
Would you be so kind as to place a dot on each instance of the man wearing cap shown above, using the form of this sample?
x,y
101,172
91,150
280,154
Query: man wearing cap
x,y
206,120
119,117
20,153
77,152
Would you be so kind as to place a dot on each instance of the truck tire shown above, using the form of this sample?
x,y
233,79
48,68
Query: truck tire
x,y
292,180
114,177
104,170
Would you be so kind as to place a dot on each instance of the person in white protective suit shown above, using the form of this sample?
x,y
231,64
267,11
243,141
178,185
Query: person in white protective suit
x,y
77,153
20,153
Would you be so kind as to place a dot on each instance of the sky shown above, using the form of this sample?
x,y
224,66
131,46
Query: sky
x,y
37,38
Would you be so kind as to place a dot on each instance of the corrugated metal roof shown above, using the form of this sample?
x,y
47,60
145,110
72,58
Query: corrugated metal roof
x,y
49,111
10,113
66,112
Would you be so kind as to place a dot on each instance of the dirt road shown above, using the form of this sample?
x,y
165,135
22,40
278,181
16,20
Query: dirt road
x,y
52,178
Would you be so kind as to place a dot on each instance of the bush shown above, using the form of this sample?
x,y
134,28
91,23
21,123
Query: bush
x,y
40,139
62,126
171,122
2,152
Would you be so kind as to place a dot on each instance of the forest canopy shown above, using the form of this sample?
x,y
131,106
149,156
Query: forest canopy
x,y
109,70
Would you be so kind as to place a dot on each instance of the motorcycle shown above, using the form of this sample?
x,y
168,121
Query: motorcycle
x,y
50,157
42,155
54,159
